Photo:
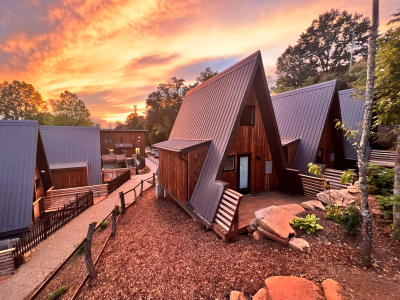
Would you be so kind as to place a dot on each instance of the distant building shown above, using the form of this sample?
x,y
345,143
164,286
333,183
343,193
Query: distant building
x,y
74,155
24,176
123,141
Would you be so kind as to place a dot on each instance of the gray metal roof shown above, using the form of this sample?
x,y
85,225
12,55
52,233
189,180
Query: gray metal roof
x,y
19,140
124,130
210,112
302,113
178,145
352,109
71,144
59,166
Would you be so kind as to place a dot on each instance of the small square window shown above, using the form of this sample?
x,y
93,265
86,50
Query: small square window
x,y
229,163
248,116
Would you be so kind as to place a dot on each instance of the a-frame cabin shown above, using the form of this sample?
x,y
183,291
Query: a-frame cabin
x,y
224,143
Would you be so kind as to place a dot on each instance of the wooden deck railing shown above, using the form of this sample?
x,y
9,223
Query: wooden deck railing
x,y
48,224
311,185
6,262
118,181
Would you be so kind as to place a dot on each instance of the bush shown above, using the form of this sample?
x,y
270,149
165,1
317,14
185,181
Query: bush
x,y
348,176
352,220
103,225
58,292
386,206
309,224
381,178
334,212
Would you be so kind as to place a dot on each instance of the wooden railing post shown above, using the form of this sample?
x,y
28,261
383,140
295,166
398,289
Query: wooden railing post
x,y
134,192
154,179
141,187
88,250
122,199
114,220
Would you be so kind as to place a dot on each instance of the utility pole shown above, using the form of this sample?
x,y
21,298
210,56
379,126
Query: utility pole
x,y
352,48
365,136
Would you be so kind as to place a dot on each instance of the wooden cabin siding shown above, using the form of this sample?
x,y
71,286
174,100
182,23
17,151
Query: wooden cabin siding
x,y
251,140
109,138
172,171
69,178
290,151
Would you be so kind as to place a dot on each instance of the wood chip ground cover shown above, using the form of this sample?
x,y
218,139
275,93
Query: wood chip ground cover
x,y
161,253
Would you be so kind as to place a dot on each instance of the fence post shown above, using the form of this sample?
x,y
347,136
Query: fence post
x,y
114,220
88,250
122,198
154,179
134,192
141,187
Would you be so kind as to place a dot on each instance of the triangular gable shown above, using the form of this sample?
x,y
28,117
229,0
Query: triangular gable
x,y
302,113
210,112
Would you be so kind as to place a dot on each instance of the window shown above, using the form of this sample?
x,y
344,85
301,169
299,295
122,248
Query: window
x,y
229,163
248,116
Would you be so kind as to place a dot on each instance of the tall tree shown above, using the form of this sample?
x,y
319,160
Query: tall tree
x,y
323,47
19,100
133,121
365,136
388,99
69,110
205,75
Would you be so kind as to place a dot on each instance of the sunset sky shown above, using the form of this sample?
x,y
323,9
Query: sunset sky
x,y
114,53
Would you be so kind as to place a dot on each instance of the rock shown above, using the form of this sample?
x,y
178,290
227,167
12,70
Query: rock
x,y
261,294
314,203
291,287
257,235
299,244
272,236
275,220
352,189
294,208
236,295
252,226
324,197
331,289
307,206
341,197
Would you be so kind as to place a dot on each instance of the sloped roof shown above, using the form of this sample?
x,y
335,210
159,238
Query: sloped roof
x,y
71,144
288,141
210,112
180,145
302,113
17,170
60,166
352,110
124,130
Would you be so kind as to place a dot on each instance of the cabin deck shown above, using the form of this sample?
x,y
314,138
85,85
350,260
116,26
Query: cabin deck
x,y
249,204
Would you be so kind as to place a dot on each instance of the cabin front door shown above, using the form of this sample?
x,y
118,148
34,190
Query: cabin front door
x,y
244,173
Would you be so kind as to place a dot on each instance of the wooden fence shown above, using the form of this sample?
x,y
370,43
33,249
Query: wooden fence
x,y
49,223
6,262
311,185
118,181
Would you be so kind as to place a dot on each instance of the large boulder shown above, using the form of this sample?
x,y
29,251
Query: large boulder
x,y
276,220
293,208
291,287
313,205
272,236
236,295
299,244
261,294
341,197
331,289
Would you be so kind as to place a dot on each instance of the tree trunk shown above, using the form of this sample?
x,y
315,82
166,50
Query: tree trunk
x,y
365,136
88,250
396,188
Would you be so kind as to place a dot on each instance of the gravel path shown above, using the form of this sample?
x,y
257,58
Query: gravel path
x,y
50,253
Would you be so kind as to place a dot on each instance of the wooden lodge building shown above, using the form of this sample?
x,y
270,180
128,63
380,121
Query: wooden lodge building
x,y
306,119
74,155
24,176
225,141
123,141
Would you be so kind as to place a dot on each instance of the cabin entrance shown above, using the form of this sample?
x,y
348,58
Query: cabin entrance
x,y
244,173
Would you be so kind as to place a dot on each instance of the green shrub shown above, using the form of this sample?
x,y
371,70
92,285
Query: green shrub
x,y
58,292
82,249
352,219
348,176
334,212
309,224
103,225
381,179
386,206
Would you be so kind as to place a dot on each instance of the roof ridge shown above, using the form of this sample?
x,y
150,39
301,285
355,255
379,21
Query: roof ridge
x,y
306,88
346,91
33,123
239,64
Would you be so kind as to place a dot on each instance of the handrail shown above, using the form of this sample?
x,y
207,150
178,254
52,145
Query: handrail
x,y
152,177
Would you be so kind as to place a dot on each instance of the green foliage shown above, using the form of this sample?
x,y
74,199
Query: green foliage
x,y
309,224
322,51
386,206
351,219
82,249
19,100
133,121
103,225
316,170
56,294
348,176
381,178
205,75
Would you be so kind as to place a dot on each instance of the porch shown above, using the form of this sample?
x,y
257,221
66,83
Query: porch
x,y
251,203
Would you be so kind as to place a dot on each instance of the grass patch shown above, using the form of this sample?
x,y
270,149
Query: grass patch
x,y
103,225
56,294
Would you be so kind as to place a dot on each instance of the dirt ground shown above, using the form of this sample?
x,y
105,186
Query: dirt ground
x,y
160,252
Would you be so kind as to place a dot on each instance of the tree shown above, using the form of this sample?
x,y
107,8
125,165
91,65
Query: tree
x,y
19,100
388,100
365,136
205,75
323,47
133,121
69,110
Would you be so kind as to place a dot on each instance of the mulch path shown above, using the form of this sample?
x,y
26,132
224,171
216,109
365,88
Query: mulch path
x,y
159,252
